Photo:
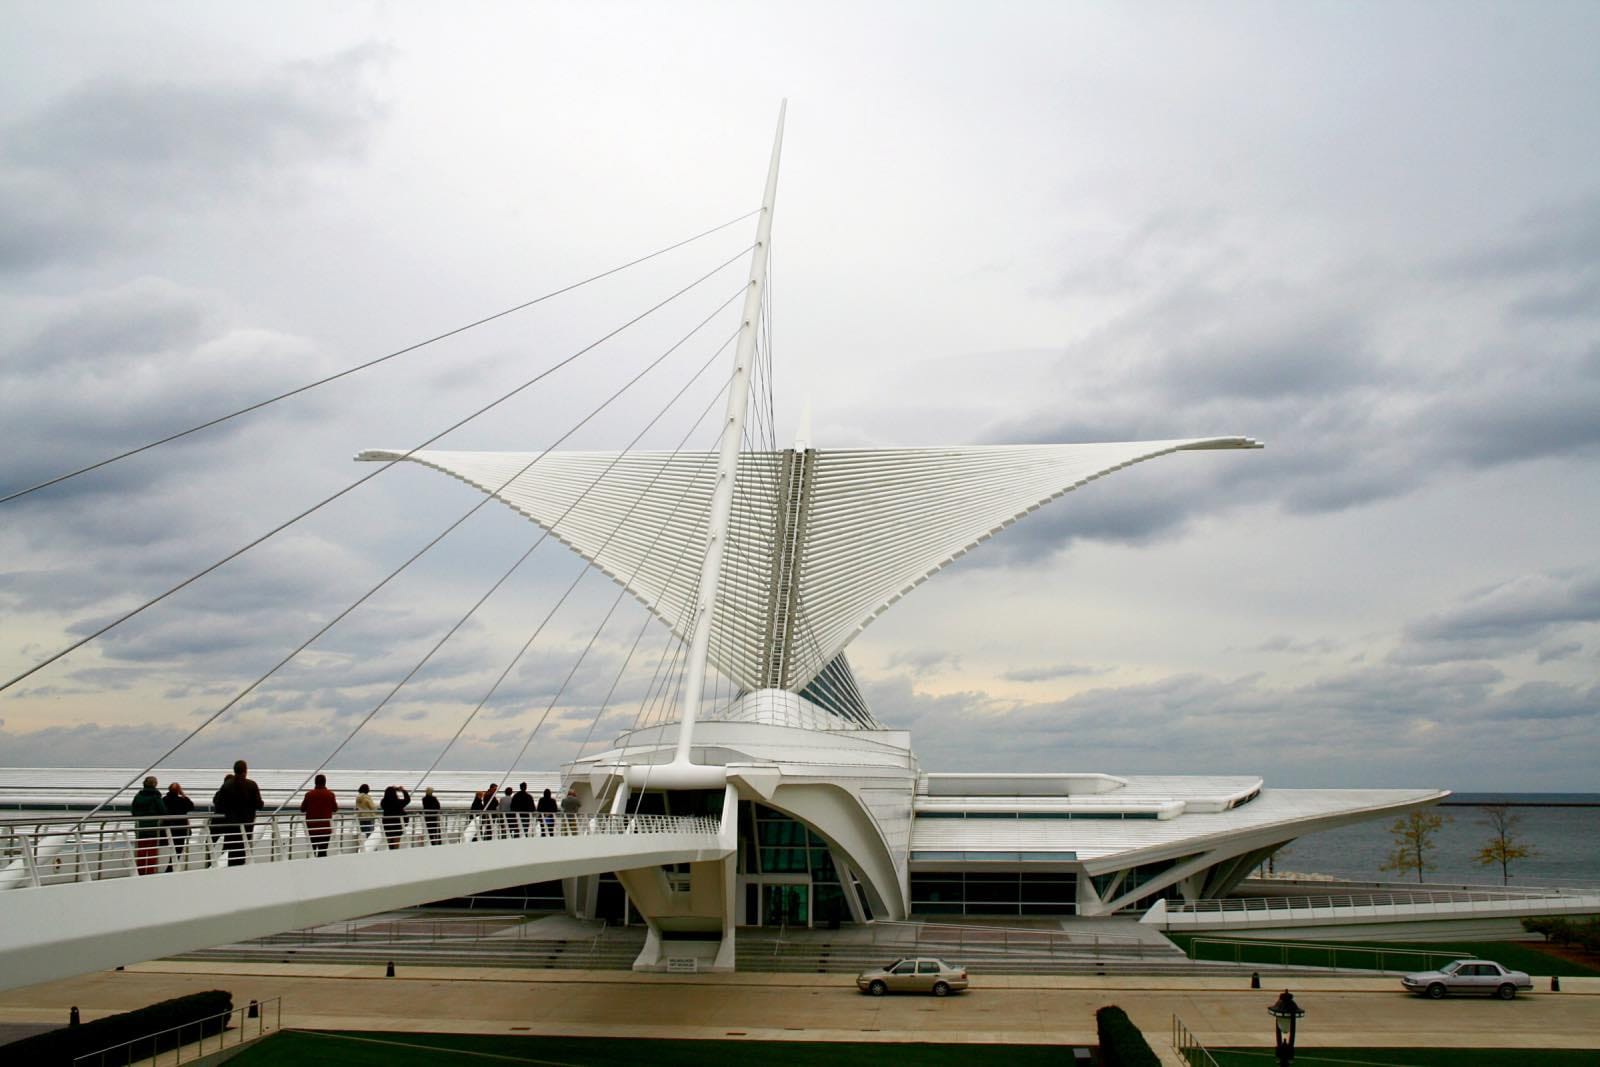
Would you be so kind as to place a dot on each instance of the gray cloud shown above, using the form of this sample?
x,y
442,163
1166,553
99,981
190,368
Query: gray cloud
x,y
1052,672
89,166
1508,618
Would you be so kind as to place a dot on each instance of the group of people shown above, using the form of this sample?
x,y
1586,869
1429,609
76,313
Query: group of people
x,y
516,814
235,805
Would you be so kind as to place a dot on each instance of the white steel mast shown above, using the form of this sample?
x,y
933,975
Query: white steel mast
x,y
679,772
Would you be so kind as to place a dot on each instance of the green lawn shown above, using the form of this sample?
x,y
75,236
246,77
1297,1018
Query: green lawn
x,y
293,1048
1518,955
1411,1057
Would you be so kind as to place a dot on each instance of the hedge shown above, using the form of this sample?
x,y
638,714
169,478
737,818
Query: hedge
x,y
1584,934
1121,1043
197,1013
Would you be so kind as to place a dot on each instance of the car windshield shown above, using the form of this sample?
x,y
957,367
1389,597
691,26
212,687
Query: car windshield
x,y
1451,968
892,965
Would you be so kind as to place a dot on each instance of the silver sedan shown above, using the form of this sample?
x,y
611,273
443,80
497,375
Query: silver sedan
x,y
1468,976
914,975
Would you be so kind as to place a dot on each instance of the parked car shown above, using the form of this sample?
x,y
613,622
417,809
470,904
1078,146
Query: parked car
x,y
914,975
1468,976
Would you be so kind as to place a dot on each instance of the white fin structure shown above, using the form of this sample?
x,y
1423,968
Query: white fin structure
x,y
820,544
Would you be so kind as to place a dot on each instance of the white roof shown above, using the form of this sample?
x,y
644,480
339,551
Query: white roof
x,y
877,523
1288,813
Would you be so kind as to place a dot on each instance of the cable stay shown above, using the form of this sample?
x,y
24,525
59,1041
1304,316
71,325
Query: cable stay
x,y
219,420
119,620
537,542
414,557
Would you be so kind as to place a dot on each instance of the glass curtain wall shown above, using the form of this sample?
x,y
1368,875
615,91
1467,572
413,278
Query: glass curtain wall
x,y
799,884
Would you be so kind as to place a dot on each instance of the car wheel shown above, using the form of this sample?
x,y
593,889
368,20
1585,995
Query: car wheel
x,y
1506,992
877,988
1436,991
941,989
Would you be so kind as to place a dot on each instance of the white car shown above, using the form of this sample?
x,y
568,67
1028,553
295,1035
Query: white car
x,y
1468,976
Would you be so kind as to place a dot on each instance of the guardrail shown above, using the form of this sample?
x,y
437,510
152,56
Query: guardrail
x,y
1189,1047
967,938
153,1047
1309,902
59,849
1309,954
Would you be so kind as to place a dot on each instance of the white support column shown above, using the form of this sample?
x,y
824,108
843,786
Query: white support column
x,y
678,773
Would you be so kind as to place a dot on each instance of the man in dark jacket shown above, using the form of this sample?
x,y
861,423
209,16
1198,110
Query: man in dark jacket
x,y
547,814
239,801
522,803
431,816
178,808
149,812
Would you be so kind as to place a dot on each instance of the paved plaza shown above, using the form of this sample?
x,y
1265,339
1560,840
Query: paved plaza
x,y
1341,1011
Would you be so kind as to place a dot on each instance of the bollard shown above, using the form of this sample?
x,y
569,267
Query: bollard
x,y
390,972
73,1020
1555,983
1255,979
252,1012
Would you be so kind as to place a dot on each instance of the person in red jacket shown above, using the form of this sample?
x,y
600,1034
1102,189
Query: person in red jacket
x,y
318,806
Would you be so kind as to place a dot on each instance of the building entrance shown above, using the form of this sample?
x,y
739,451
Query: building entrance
x,y
785,905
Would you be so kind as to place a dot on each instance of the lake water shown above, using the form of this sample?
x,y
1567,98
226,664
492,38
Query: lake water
x,y
1566,840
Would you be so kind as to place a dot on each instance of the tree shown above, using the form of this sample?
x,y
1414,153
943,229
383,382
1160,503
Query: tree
x,y
1413,844
1505,840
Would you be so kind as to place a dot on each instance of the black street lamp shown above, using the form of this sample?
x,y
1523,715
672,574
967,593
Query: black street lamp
x,y
1284,1012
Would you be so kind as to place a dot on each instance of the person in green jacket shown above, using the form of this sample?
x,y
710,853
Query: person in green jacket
x,y
149,817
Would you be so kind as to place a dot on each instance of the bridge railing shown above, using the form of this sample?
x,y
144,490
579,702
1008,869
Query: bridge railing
x,y
59,849
1416,898
970,938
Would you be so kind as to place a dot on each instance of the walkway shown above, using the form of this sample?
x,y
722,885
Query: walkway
x,y
111,917
1057,1010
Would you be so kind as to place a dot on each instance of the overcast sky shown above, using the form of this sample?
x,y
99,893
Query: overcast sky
x,y
1365,233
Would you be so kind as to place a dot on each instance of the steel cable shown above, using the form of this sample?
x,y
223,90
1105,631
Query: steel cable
x,y
371,362
363,479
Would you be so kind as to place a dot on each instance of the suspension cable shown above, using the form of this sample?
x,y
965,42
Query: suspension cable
x,y
370,363
624,590
537,542
372,591
365,478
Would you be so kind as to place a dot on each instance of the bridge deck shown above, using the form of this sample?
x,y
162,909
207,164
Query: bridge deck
x,y
111,917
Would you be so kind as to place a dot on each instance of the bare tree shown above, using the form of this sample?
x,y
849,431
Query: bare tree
x,y
1413,844
1505,840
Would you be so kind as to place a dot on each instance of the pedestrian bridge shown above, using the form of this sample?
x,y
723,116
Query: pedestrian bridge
x,y
74,903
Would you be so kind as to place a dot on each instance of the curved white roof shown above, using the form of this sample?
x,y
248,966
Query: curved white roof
x,y
872,525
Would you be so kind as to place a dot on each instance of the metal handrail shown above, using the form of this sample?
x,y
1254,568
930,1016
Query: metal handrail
x,y
258,1008
1021,933
1189,1047
50,850
1284,948
1310,902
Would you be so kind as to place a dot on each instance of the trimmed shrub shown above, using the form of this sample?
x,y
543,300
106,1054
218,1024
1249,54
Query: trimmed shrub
x,y
1121,1043
195,1013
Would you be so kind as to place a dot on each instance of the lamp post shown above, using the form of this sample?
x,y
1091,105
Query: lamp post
x,y
1284,1012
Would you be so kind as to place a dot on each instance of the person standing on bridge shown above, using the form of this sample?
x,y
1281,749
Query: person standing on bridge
x,y
430,815
523,807
571,804
178,808
365,806
318,806
149,812
236,804
395,799
491,808
547,814
246,802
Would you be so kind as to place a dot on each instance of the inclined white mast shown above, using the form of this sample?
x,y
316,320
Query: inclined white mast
x,y
682,771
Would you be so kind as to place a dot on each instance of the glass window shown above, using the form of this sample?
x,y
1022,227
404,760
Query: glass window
x,y
908,967
927,967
